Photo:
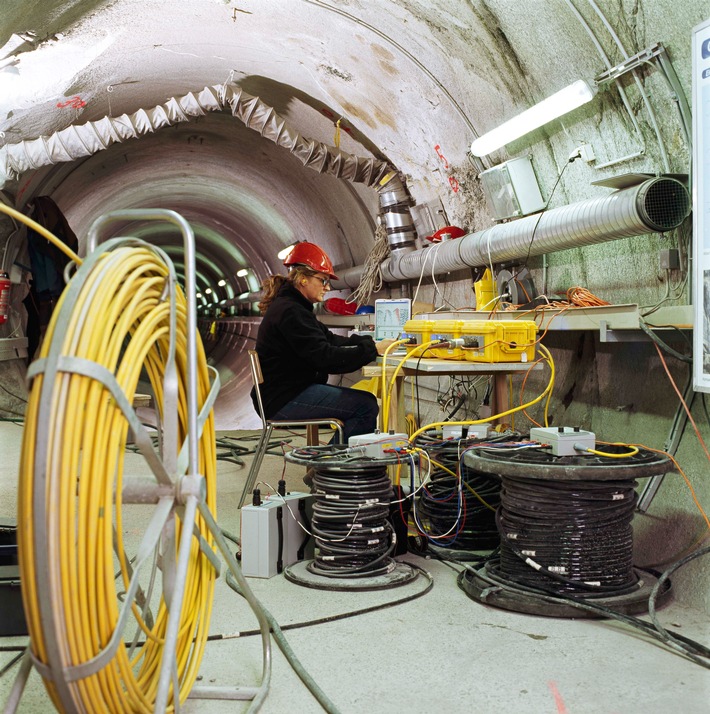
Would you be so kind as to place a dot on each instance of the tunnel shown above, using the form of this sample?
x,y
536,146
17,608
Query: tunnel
x,y
355,125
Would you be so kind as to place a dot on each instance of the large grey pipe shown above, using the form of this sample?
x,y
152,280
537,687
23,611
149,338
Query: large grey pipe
x,y
657,205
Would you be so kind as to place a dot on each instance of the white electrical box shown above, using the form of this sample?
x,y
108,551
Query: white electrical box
x,y
378,444
564,440
478,431
511,189
272,536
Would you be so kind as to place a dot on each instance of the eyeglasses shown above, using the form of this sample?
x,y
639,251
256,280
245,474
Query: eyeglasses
x,y
325,281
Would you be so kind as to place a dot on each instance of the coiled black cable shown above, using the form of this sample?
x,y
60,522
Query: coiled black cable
x,y
353,536
568,536
438,506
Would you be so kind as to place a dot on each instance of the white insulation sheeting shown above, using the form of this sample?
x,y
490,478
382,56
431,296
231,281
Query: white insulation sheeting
x,y
77,141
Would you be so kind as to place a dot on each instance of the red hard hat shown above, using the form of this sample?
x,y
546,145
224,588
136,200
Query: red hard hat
x,y
311,255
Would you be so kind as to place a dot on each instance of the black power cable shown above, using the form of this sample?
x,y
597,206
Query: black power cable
x,y
438,503
691,649
352,534
438,506
568,536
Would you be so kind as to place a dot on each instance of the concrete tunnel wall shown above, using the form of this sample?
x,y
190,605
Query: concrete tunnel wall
x,y
412,84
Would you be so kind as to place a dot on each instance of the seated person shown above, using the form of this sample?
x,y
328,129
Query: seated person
x,y
297,352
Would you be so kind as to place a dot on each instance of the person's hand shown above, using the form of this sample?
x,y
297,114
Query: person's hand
x,y
382,345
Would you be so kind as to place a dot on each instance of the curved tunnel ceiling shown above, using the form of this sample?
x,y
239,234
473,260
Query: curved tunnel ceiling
x,y
411,83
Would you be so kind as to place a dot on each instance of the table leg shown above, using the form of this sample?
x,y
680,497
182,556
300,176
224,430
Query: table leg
x,y
501,396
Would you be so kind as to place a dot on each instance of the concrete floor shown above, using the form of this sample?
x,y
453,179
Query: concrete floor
x,y
440,653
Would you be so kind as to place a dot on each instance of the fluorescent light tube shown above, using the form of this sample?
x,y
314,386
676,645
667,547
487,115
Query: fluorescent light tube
x,y
555,106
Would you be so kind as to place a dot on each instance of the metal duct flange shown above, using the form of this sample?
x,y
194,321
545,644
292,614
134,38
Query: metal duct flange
x,y
392,191
395,203
401,240
663,203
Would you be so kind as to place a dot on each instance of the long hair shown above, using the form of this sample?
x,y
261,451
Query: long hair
x,y
271,286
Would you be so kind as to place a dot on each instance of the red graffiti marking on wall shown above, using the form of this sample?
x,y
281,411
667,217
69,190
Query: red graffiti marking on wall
x,y
437,148
453,181
75,102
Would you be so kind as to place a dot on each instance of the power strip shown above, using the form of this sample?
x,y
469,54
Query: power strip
x,y
564,440
260,534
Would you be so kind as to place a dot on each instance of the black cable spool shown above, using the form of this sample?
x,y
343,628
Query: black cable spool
x,y
478,532
565,529
349,521
354,539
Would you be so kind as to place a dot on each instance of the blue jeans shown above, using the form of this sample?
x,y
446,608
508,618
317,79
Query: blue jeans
x,y
357,410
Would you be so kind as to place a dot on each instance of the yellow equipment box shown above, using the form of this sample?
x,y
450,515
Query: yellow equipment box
x,y
477,340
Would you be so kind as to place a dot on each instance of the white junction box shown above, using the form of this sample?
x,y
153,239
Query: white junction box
x,y
511,189
261,555
377,444
564,440
477,431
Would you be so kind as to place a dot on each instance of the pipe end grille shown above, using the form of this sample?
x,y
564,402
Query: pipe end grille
x,y
663,204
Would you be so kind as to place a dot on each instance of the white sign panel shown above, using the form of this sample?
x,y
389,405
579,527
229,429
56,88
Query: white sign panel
x,y
701,206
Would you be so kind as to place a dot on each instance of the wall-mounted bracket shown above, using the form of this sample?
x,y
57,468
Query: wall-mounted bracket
x,y
650,54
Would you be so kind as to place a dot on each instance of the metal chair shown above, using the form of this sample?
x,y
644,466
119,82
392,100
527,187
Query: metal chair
x,y
268,425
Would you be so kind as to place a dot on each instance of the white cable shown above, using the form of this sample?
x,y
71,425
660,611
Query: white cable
x,y
371,280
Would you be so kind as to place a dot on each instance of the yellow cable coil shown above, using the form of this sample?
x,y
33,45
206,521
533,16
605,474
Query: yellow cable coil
x,y
120,321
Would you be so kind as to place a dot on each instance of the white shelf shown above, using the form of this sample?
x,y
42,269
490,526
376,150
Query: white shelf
x,y
607,317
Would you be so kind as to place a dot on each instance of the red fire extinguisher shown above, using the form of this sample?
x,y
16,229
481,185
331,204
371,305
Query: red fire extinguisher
x,y
5,287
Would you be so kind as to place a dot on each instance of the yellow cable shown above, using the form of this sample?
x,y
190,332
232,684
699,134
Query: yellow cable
x,y
411,422
42,231
384,406
386,397
632,451
547,390
456,476
120,320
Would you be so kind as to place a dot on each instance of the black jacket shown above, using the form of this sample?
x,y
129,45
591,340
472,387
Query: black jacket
x,y
296,350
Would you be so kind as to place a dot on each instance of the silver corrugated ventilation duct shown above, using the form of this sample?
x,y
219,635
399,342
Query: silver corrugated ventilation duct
x,y
657,205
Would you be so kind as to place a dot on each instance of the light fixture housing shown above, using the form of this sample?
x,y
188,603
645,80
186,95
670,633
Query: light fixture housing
x,y
560,103
222,283
244,272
